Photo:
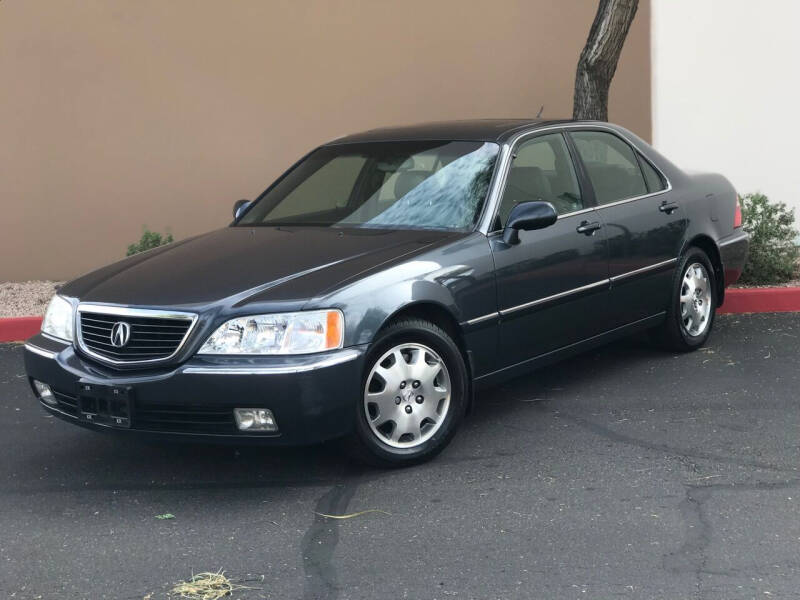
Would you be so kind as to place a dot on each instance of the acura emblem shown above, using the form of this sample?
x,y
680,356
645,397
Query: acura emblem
x,y
120,334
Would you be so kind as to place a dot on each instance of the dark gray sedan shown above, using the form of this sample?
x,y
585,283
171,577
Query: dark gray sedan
x,y
369,291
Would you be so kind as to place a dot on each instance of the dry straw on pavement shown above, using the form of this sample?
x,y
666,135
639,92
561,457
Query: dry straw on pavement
x,y
207,586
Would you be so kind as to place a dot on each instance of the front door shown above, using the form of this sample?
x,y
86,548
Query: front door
x,y
644,226
552,286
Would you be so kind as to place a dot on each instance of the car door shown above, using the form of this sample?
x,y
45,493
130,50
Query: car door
x,y
551,286
644,227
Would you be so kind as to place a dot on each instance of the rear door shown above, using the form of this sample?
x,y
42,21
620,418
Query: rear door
x,y
551,286
644,227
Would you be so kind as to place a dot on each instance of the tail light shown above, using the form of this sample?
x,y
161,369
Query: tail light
x,y
737,215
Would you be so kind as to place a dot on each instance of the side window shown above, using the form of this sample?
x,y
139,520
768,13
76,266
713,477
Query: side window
x,y
655,183
611,164
541,170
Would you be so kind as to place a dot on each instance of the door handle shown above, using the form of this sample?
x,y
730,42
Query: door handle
x,y
668,207
587,228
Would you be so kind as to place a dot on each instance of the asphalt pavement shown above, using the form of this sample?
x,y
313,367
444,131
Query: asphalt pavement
x,y
623,473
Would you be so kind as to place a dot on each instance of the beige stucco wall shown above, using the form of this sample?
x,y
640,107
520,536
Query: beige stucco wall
x,y
117,114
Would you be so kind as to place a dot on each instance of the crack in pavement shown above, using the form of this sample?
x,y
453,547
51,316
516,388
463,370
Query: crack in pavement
x,y
319,542
691,556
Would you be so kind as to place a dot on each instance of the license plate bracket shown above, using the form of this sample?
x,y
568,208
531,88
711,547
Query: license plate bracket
x,y
109,405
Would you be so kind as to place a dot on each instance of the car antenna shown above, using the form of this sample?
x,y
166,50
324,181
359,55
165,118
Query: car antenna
x,y
539,114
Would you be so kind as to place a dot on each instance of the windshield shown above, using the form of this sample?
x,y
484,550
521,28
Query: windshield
x,y
390,185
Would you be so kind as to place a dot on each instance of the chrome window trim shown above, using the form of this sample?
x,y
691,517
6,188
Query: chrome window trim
x,y
658,265
576,290
498,186
576,212
41,351
128,311
340,357
626,200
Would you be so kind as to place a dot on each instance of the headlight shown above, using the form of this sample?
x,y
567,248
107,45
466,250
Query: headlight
x,y
288,333
59,319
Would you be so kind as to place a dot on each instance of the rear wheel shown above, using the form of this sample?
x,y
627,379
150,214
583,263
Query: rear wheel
x,y
693,303
413,395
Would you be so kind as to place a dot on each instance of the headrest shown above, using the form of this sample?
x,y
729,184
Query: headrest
x,y
407,181
530,180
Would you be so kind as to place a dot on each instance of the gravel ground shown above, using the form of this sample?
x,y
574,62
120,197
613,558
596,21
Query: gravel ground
x,y
26,299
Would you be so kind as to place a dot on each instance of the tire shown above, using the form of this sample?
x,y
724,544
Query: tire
x,y
689,323
419,364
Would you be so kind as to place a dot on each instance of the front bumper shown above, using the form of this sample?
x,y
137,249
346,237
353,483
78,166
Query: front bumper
x,y
312,397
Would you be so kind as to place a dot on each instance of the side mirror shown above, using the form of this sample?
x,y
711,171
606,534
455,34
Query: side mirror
x,y
239,207
528,216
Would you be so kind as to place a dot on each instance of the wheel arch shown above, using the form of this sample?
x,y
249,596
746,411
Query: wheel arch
x,y
439,315
707,245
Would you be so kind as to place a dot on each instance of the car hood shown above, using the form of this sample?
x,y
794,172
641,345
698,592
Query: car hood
x,y
240,265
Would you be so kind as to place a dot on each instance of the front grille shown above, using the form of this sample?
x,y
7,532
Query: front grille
x,y
151,338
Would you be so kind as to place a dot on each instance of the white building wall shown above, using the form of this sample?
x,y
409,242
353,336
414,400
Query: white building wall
x,y
726,91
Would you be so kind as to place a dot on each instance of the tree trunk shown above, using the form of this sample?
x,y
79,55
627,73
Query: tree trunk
x,y
598,61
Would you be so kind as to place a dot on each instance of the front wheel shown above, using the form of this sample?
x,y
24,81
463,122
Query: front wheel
x,y
414,393
693,304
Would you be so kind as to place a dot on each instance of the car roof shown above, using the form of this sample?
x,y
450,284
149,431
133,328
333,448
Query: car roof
x,y
490,130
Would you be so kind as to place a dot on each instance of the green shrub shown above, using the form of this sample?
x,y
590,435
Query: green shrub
x,y
773,253
148,241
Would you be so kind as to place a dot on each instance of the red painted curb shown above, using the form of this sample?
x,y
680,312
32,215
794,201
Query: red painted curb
x,y
17,329
760,300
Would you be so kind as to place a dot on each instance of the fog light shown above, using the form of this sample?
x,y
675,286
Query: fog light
x,y
45,393
254,419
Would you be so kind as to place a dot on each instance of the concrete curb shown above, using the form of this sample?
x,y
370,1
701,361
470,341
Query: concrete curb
x,y
737,300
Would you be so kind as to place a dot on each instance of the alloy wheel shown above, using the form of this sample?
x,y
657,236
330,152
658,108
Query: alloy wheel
x,y
695,300
407,395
